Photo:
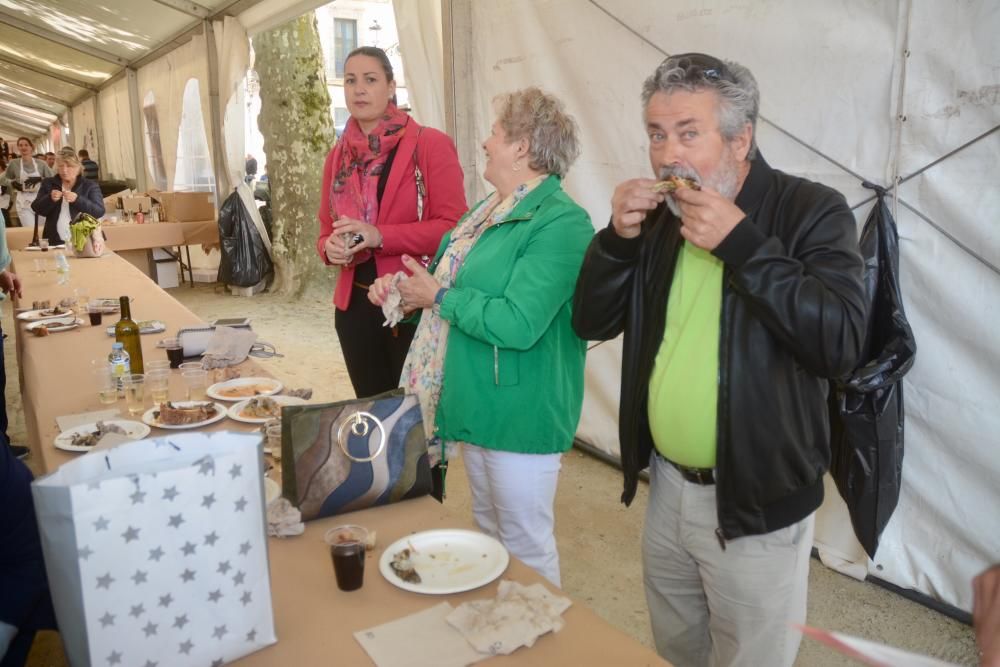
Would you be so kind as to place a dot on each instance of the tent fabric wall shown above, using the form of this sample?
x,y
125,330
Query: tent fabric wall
x,y
835,85
233,51
418,23
116,121
85,128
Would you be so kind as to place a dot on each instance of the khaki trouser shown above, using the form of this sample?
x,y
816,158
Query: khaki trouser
x,y
710,606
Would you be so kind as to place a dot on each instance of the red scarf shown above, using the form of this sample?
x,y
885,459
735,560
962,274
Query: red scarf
x,y
362,159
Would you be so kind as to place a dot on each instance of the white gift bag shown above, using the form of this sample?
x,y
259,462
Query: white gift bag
x,y
156,551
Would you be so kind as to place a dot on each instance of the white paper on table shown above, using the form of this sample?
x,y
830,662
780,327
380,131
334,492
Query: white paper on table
x,y
423,639
868,652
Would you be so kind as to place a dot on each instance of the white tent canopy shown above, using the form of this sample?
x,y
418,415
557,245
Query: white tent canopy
x,y
896,92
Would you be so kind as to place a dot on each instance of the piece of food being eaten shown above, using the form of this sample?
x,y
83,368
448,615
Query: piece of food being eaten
x,y
403,567
673,183
173,415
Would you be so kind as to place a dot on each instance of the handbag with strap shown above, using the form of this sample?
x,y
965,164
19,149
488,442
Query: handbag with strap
x,y
352,455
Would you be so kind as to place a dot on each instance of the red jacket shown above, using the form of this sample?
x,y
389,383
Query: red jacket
x,y
402,233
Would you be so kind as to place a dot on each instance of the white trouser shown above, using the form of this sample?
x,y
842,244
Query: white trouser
x,y
710,606
513,496
25,215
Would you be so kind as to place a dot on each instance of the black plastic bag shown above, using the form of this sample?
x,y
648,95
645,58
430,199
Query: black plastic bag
x,y
866,407
245,260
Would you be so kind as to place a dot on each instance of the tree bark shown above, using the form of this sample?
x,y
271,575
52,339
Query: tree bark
x,y
298,133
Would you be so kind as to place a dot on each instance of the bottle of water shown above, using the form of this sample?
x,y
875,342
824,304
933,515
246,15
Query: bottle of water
x,y
120,366
62,268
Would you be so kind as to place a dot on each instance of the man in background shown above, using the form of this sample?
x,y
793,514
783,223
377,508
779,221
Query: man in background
x,y
91,170
50,159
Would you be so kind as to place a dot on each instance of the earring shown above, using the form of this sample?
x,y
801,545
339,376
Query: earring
x,y
517,165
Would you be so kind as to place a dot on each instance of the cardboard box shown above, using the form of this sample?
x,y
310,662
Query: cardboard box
x,y
136,204
185,206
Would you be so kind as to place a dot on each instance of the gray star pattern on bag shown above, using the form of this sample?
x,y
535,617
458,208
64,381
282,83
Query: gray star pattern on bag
x,y
245,598
170,493
175,520
239,577
101,523
185,647
139,577
181,621
218,663
150,663
93,486
220,630
115,658
86,552
236,470
150,629
165,600
156,554
252,636
211,539
241,504
138,497
215,595
208,501
188,549
107,619
205,466
188,575
105,581
137,610
245,548
224,567
131,534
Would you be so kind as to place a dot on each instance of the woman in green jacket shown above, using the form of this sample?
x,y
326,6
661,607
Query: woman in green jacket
x,y
495,361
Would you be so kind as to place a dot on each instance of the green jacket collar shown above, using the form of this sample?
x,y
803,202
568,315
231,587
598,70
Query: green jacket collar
x,y
525,210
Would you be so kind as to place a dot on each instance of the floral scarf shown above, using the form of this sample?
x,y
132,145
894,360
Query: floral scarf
x,y
423,370
362,159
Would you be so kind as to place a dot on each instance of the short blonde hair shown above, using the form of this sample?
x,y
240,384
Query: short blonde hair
x,y
541,119
68,156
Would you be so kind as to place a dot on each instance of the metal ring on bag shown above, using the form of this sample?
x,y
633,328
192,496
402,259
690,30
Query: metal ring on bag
x,y
360,426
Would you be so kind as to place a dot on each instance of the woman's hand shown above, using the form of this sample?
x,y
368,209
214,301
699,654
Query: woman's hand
x,y
379,290
69,195
335,251
371,237
56,195
419,290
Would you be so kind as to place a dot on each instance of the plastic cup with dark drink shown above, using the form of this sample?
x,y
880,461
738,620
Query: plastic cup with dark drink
x,y
175,352
347,550
95,313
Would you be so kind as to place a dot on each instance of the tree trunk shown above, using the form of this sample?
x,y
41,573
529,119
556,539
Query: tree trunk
x,y
298,133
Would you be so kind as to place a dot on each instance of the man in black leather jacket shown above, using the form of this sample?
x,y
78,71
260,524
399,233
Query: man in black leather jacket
x,y
738,301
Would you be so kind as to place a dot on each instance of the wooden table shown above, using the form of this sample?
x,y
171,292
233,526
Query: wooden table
x,y
129,238
315,621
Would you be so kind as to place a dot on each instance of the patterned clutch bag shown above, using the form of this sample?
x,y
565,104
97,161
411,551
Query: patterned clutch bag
x,y
352,455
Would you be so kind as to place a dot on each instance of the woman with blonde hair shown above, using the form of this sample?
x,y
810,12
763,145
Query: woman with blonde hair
x,y
495,362
66,195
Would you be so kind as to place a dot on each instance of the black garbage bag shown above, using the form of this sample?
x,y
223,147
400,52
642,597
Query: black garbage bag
x,y
245,260
866,407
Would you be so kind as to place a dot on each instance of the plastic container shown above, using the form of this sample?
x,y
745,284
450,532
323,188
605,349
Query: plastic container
x,y
62,268
121,366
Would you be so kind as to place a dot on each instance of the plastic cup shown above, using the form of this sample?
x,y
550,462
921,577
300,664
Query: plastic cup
x,y
175,352
347,550
135,393
43,244
191,366
107,387
195,383
158,381
157,365
274,440
96,314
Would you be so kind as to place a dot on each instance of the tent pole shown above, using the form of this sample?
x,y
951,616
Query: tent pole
x,y
222,184
138,149
456,33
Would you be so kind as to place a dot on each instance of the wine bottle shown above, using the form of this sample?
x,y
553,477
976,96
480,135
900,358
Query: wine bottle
x,y
127,333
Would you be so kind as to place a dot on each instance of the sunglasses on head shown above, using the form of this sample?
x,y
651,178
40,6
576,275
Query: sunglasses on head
x,y
700,65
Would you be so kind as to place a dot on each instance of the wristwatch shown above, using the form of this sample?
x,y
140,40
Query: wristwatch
x,y
439,297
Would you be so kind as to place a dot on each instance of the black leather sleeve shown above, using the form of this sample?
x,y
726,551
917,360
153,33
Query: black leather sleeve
x,y
600,303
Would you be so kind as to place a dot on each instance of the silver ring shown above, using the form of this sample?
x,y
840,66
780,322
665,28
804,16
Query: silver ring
x,y
360,425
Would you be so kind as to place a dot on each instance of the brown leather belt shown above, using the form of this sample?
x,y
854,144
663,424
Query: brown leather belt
x,y
360,285
701,476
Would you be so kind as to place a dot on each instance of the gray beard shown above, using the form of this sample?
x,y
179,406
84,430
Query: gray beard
x,y
725,180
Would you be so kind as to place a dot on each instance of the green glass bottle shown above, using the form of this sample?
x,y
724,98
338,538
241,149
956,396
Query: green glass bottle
x,y
127,333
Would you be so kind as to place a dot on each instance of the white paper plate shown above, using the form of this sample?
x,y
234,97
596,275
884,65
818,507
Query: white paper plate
x,y
271,490
133,431
448,561
234,412
39,315
34,248
148,418
56,324
220,391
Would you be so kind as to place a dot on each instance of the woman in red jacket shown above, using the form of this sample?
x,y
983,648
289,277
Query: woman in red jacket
x,y
390,187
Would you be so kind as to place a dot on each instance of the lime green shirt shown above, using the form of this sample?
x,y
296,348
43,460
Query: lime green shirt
x,y
683,389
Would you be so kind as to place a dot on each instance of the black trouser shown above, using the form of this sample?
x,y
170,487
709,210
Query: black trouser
x,y
374,354
4,439
41,617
